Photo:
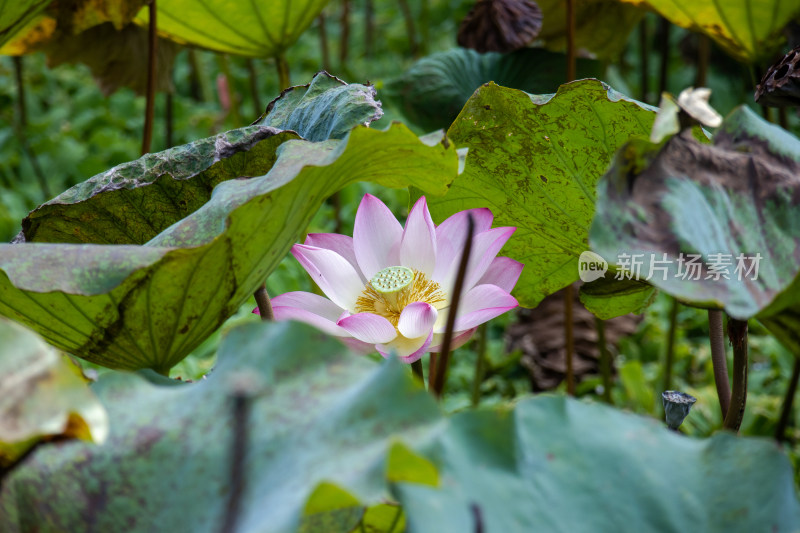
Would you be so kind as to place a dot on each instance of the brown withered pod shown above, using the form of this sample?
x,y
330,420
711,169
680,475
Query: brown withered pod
x,y
780,86
500,25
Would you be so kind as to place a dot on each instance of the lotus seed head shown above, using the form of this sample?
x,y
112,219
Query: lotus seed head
x,y
392,279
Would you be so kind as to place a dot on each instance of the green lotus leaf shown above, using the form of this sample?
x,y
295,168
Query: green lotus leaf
x,y
531,468
330,433
253,29
608,298
715,225
432,92
748,31
42,395
133,202
148,306
535,162
15,16
326,108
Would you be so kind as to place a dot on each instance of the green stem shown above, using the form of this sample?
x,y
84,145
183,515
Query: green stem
x,y
719,360
323,43
416,368
570,40
21,106
21,128
480,364
569,340
169,119
703,54
410,30
283,71
152,60
225,70
737,333
788,400
669,359
264,304
644,60
438,379
253,78
606,363
344,32
663,74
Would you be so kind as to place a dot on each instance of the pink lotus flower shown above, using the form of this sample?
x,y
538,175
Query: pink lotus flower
x,y
389,287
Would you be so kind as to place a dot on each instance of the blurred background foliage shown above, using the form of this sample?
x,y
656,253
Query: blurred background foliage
x,y
69,131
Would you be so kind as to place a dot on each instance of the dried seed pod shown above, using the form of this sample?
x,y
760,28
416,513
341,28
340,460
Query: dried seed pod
x,y
676,407
500,25
780,86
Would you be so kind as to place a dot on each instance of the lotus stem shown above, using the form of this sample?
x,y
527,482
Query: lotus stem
x,y
169,120
410,30
240,413
570,40
344,32
283,71
663,73
737,333
719,359
323,43
669,359
152,59
703,53
644,70
225,70
253,79
416,368
606,362
480,364
264,304
438,379
22,126
788,400
569,341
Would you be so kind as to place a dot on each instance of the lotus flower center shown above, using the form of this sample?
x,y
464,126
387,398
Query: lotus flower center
x,y
393,288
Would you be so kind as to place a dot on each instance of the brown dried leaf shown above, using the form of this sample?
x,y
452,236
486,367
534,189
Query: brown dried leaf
x,y
780,86
500,25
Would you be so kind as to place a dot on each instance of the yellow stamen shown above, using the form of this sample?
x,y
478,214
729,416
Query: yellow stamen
x,y
390,303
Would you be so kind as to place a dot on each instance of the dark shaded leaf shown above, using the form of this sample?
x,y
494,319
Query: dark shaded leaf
x,y
432,92
780,86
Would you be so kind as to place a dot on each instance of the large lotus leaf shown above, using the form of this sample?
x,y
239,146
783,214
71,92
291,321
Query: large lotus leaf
x,y
134,202
15,15
326,108
42,395
535,161
601,26
716,206
328,429
148,306
555,464
432,92
254,29
318,413
748,30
